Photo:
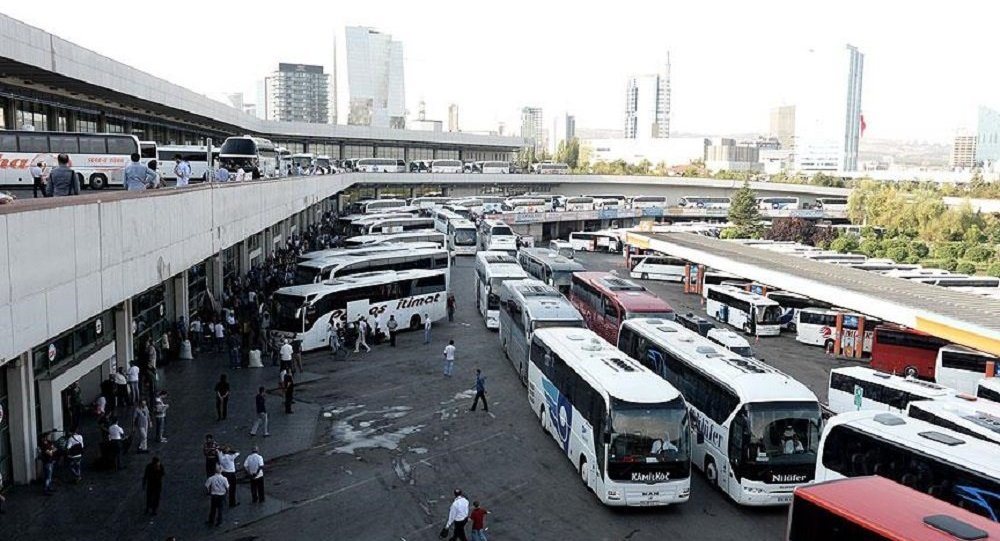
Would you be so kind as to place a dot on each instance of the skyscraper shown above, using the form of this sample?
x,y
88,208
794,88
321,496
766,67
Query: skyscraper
x,y
828,122
783,125
988,138
563,129
647,105
375,91
532,126
453,117
963,152
298,93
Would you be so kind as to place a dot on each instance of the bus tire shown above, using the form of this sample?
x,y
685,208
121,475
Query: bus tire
x,y
541,419
583,472
645,276
97,181
523,373
415,322
711,472
911,371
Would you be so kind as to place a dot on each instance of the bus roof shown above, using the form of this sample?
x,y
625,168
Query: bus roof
x,y
632,296
462,223
336,260
387,246
605,367
742,294
383,239
983,414
357,280
488,257
893,510
540,300
915,386
553,259
751,379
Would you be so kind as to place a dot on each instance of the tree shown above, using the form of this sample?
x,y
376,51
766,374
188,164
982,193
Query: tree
x,y
568,152
966,267
844,244
980,253
994,269
744,214
791,229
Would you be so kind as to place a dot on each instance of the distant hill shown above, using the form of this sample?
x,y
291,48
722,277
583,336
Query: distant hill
x,y
910,153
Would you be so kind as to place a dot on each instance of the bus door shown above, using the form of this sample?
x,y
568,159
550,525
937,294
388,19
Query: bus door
x,y
753,320
610,319
356,309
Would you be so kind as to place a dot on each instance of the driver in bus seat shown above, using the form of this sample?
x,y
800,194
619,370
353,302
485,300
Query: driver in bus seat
x,y
792,444
662,446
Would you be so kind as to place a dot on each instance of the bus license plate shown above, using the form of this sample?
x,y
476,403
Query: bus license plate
x,y
784,499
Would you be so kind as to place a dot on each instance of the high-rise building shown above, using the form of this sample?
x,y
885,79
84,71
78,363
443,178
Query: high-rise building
x,y
988,138
783,125
828,121
375,91
532,126
963,152
453,117
563,129
298,93
647,105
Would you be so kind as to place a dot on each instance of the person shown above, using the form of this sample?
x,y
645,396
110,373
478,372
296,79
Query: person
x,y
110,391
289,393
260,402
121,386
234,351
797,446
75,405
211,451
132,375
458,515
196,332
480,391
217,486
478,519
789,442
451,308
227,461
362,341
47,454
449,358
241,175
182,170
152,481
286,355
116,436
254,466
137,176
220,337
63,180
334,331
392,325
222,175
160,413
222,398
74,452
140,420
157,180
297,355
427,329
37,173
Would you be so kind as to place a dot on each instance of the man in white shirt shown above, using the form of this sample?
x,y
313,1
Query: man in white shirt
x,y
254,466
241,175
449,358
182,170
133,382
74,452
227,461
115,436
220,337
427,329
362,341
217,487
458,515
286,355
222,175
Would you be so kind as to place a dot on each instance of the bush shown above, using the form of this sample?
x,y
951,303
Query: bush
x,y
966,267
949,250
994,269
979,253
869,247
919,248
729,233
950,265
913,259
844,244
897,253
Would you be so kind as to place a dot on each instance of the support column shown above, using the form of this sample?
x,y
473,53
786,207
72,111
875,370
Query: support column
x,y
374,151
182,301
341,150
124,339
406,155
21,417
434,153
215,278
8,114
51,118
102,122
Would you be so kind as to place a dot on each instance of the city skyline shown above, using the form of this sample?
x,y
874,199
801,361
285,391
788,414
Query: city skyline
x,y
712,92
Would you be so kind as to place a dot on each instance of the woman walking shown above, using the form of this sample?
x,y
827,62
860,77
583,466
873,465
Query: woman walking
x,y
152,481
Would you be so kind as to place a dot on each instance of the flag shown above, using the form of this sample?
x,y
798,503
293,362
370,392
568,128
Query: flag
x,y
863,125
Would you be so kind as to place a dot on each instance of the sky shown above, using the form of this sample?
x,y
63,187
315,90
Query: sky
x,y
928,65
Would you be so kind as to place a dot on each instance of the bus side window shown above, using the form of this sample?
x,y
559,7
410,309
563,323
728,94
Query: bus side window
x,y
610,310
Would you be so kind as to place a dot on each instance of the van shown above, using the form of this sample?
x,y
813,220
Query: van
x,y
695,323
731,341
562,248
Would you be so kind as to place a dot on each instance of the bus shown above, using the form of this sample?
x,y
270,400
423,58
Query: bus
x,y
305,160
964,414
429,201
831,203
446,166
822,327
147,152
324,164
874,508
836,258
492,168
790,304
595,241
525,204
731,341
427,238
255,155
304,312
961,368
461,209
879,266
196,156
579,203
551,168
658,267
605,300
778,203
492,270
367,249
525,306
397,224
879,391
648,201
549,267
704,202
963,283
99,159
624,429
942,463
901,350
375,206
609,201
442,217
563,248
755,428
321,269
283,157
753,314
380,165
495,235
461,237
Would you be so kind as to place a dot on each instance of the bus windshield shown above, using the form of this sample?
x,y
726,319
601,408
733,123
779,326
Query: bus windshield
x,y
743,351
465,237
782,432
286,312
238,147
501,230
769,316
648,441
307,275
541,324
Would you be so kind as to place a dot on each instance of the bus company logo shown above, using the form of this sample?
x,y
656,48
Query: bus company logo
x,y
19,163
826,332
418,301
788,478
706,428
650,477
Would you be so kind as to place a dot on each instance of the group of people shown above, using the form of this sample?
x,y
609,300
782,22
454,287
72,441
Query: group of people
x,y
220,476
459,515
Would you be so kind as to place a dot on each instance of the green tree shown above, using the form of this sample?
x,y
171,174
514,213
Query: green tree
x,y
844,244
870,247
994,269
973,235
744,214
919,248
980,253
568,152
950,265
897,253
966,267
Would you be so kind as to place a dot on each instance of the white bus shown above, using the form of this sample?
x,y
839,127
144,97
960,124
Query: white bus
x,y
790,304
549,267
442,217
305,160
595,241
822,326
463,208
196,156
446,166
943,463
609,201
778,203
324,164
394,246
492,270
528,305
579,203
879,391
648,201
751,313
495,235
731,341
99,159
397,224
972,417
429,201
551,168
756,429
658,267
525,204
462,237
961,368
380,165
283,157
623,428
428,237
563,248
836,258
704,202
964,283
304,312
831,203
317,270
372,206
255,155
492,168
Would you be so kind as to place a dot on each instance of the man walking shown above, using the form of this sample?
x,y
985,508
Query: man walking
x,y
121,386
160,412
221,398
137,176
451,308
480,391
37,173
449,358
261,406
217,487
211,452
220,336
152,481
392,325
182,170
254,466
478,519
289,393
458,515
74,452
227,461
140,419
362,341
427,329
47,454
116,436
286,355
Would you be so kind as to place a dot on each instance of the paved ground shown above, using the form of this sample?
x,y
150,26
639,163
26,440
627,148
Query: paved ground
x,y
377,444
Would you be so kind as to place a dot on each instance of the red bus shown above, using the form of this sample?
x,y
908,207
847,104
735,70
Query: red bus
x,y
606,300
906,352
879,509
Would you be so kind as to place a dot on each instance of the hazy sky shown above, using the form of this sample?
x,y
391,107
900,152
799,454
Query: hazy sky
x,y
926,69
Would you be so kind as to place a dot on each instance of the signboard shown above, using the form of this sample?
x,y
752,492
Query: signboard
x,y
859,394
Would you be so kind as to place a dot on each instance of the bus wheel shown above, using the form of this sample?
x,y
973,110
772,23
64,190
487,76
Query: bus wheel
x,y
645,276
711,472
415,322
911,372
583,472
98,182
541,418
524,374
506,353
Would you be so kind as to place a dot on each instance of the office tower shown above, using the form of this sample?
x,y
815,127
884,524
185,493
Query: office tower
x,y
563,129
647,105
298,93
783,125
963,152
375,92
453,117
532,127
988,138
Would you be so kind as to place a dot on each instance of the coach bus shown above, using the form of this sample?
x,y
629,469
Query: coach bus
x,y
822,327
373,206
428,201
596,241
753,314
648,201
428,238
525,204
961,368
380,165
492,167
623,428
446,166
397,224
305,312
549,267
495,235
196,156
551,169
658,267
901,350
441,218
462,237
99,159
756,428
989,389
378,248
704,202
492,270
831,203
605,300
526,306
790,304
874,508
965,414
879,391
255,155
778,203
945,464
579,203
325,268
609,201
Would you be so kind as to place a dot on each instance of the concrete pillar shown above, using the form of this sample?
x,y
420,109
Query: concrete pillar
x,y
124,338
52,118
21,417
461,154
8,113
341,150
374,151
71,117
181,298
102,122
434,153
243,258
215,278
406,155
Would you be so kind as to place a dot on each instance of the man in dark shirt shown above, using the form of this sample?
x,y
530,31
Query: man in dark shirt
x,y
261,406
478,519
62,179
480,391
222,398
